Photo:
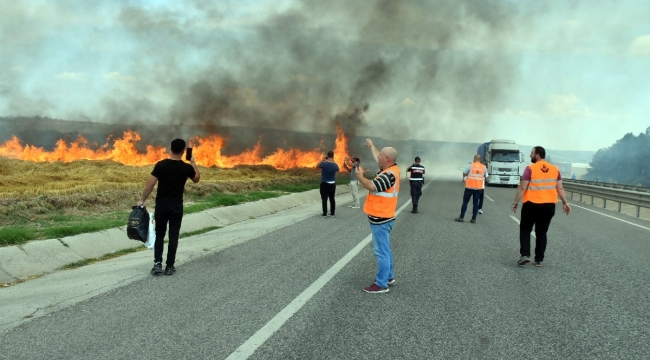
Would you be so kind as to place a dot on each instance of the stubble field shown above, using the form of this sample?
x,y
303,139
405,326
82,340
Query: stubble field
x,y
53,199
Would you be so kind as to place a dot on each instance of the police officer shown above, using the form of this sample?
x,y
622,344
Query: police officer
x,y
416,180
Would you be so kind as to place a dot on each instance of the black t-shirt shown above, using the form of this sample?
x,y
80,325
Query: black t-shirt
x,y
172,175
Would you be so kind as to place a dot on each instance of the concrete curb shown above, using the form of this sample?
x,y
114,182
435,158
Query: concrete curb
x,y
45,256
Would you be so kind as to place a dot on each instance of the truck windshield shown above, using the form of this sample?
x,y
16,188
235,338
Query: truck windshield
x,y
505,156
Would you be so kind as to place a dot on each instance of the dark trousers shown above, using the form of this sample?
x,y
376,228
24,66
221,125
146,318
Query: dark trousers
x,y
328,191
416,191
480,201
474,194
172,214
540,216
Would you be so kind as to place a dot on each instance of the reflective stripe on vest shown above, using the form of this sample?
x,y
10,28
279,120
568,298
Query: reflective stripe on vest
x,y
383,204
542,187
475,176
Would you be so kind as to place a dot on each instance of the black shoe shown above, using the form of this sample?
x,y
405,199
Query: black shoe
x,y
459,219
523,260
332,215
415,209
473,221
324,216
157,269
538,264
170,270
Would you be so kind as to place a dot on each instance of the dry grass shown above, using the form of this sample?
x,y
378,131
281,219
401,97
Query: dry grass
x,y
32,192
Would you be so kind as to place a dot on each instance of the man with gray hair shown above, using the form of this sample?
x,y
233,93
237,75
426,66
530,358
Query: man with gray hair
x,y
476,174
381,205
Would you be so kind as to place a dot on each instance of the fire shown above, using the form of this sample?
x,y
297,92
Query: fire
x,y
207,152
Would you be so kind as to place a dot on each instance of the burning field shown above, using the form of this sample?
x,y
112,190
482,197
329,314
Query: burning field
x,y
207,152
80,180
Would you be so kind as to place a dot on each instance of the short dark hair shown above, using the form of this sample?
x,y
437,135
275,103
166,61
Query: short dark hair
x,y
178,145
540,151
330,154
356,158
417,158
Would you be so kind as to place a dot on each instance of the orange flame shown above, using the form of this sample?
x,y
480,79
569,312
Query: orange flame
x,y
207,152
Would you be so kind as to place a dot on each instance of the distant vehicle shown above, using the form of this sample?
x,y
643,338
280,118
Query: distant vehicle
x,y
503,161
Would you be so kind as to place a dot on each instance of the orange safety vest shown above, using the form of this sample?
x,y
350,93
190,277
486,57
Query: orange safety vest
x,y
383,204
542,188
476,176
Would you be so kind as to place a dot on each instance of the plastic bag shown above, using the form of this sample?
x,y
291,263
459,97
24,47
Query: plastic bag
x,y
138,226
151,239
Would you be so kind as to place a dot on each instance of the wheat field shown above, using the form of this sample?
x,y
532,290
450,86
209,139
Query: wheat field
x,y
29,190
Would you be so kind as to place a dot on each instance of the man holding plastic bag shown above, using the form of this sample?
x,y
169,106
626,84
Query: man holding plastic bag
x,y
171,175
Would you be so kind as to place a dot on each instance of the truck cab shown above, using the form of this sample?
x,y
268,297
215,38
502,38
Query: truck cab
x,y
503,161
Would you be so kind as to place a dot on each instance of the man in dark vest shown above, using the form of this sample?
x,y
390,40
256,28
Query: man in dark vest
x,y
416,180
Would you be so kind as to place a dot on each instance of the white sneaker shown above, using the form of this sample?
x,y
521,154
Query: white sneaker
x,y
355,207
480,211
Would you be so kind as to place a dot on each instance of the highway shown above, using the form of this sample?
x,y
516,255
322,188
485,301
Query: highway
x,y
296,293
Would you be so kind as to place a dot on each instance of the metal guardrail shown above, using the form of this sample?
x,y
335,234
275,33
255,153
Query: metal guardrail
x,y
622,194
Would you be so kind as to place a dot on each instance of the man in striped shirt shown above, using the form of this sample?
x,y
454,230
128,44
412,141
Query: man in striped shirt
x,y
380,205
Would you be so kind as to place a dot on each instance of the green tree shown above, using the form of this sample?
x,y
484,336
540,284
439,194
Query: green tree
x,y
625,162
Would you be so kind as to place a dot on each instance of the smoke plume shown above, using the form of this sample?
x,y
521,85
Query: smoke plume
x,y
395,69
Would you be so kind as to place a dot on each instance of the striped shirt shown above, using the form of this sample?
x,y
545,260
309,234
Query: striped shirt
x,y
383,182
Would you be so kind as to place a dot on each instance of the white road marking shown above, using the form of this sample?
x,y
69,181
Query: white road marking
x,y
259,338
609,216
489,198
532,233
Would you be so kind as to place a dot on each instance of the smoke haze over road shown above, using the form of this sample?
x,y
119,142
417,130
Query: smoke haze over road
x,y
466,71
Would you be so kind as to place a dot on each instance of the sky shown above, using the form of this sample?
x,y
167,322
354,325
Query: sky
x,y
566,75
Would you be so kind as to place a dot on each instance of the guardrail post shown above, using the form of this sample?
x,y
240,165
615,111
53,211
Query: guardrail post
x,y
604,203
638,211
592,199
580,197
620,204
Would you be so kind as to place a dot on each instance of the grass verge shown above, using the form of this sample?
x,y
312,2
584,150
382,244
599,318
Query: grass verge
x,y
60,224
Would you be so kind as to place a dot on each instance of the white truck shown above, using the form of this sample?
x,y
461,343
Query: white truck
x,y
503,161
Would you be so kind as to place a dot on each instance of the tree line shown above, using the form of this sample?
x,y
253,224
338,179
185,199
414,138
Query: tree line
x,y
625,162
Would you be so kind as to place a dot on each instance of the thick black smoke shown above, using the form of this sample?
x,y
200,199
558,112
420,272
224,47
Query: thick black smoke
x,y
384,67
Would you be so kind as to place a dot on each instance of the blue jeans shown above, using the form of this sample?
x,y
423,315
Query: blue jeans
x,y
381,248
475,194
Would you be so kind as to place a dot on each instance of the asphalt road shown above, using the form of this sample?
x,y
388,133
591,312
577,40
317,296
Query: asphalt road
x,y
459,294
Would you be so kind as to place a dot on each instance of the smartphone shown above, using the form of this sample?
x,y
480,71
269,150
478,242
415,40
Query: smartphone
x,y
188,154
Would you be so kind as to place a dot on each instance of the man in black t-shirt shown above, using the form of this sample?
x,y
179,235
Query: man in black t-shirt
x,y
171,175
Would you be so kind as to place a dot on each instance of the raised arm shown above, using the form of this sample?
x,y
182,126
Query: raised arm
x,y
371,146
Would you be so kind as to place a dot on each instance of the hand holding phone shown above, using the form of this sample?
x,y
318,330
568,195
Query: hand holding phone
x,y
188,154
